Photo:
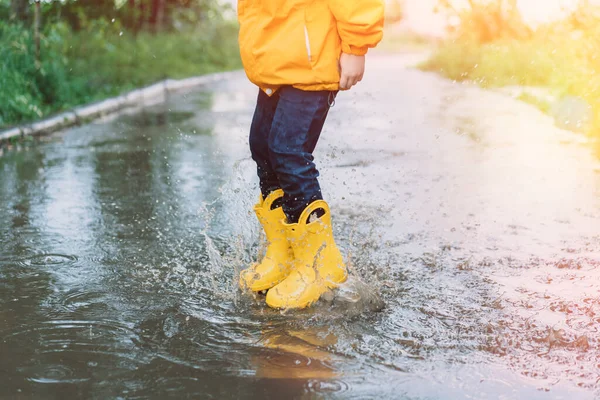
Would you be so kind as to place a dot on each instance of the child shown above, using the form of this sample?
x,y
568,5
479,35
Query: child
x,y
299,53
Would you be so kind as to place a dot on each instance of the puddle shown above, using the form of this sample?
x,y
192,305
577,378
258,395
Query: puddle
x,y
473,263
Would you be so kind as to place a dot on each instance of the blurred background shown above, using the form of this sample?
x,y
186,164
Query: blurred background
x,y
60,54
57,54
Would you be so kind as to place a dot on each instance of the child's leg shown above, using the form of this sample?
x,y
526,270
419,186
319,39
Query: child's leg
x,y
259,141
296,128
277,261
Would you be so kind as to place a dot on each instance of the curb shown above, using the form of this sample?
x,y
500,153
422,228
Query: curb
x,y
150,95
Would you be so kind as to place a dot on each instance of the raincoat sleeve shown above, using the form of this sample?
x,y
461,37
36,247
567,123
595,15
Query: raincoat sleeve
x,y
359,24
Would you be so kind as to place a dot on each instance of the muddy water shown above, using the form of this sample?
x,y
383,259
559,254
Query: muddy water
x,y
471,224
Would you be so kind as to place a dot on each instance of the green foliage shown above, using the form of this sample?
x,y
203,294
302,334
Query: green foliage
x,y
501,63
561,56
99,61
4,10
134,15
20,97
541,104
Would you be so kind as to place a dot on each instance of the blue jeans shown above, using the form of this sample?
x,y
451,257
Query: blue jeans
x,y
283,135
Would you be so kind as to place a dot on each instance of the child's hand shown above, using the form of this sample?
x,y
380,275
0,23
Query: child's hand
x,y
352,69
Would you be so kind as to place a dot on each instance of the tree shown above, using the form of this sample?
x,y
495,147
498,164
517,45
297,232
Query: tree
x,y
19,10
157,15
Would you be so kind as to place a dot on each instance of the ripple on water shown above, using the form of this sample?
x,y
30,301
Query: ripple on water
x,y
187,340
48,259
76,303
57,373
326,386
72,334
71,351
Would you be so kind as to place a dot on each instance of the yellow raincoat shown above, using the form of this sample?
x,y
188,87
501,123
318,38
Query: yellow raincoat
x,y
299,42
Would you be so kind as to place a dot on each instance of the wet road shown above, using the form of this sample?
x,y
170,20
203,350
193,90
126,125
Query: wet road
x,y
467,214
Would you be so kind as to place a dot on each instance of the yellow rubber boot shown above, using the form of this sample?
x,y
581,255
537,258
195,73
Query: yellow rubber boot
x,y
318,264
276,264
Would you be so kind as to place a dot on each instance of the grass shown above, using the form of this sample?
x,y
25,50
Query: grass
x,y
541,104
557,57
76,68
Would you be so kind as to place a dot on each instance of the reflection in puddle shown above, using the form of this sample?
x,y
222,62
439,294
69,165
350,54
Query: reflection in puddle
x,y
160,117
297,354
